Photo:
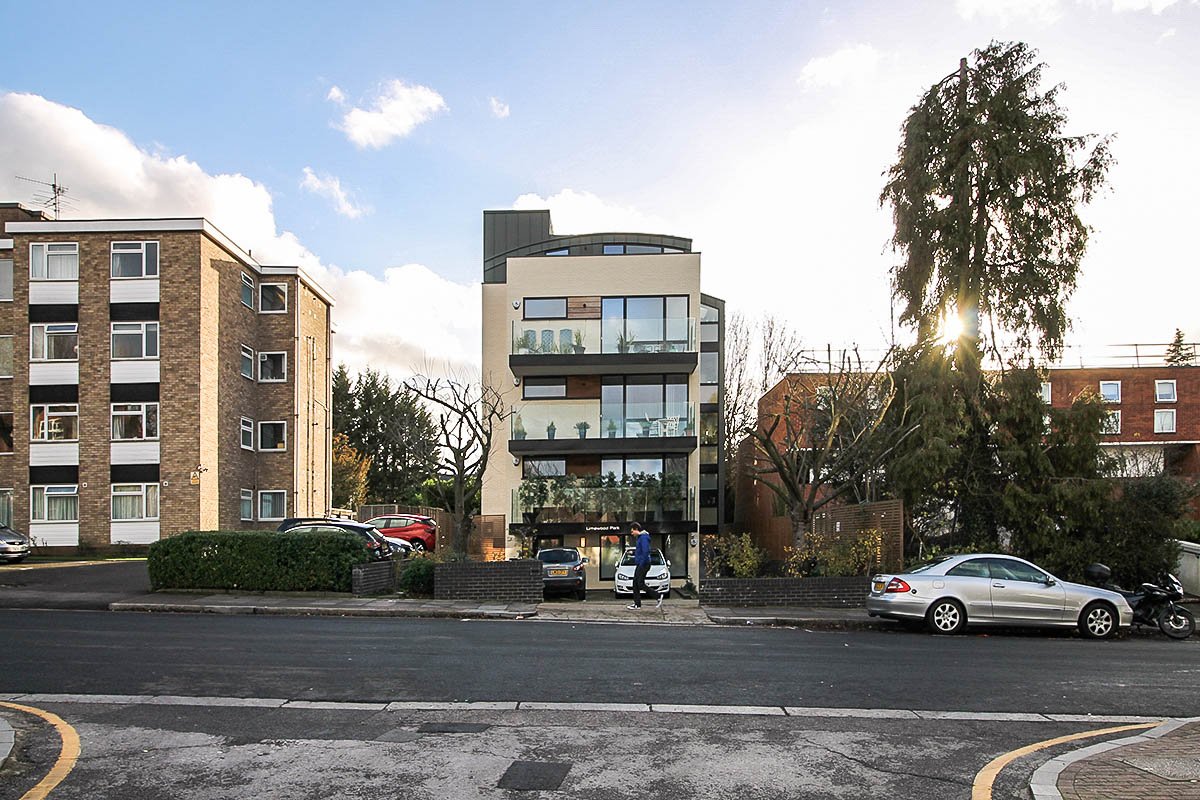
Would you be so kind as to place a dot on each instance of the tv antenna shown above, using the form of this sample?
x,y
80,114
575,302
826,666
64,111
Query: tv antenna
x,y
52,199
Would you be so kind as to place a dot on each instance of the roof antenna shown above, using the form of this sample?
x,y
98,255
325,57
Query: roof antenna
x,y
52,199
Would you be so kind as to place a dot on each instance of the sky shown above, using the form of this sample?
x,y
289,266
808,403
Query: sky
x,y
363,142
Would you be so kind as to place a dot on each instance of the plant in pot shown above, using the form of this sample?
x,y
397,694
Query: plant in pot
x,y
624,343
565,495
519,432
578,346
551,429
671,493
533,495
582,427
612,429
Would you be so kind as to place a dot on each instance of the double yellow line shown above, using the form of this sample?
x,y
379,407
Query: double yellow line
x,y
66,757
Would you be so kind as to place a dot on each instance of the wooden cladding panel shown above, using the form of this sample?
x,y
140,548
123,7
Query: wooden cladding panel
x,y
583,465
583,387
583,307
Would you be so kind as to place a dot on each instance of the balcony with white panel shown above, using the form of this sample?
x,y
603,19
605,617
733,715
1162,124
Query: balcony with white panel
x,y
133,290
134,452
53,373
54,292
135,371
53,454
139,532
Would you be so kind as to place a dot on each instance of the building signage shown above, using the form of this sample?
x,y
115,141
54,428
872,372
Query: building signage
x,y
591,528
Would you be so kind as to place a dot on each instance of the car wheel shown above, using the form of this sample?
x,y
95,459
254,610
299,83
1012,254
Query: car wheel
x,y
1098,621
946,616
418,546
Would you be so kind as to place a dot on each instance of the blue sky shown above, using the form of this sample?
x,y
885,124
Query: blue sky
x,y
758,129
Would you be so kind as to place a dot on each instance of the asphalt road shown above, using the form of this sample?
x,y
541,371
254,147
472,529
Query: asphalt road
x,y
355,659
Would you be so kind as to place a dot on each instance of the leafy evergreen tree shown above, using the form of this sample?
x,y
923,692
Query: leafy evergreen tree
x,y
1178,352
344,403
349,473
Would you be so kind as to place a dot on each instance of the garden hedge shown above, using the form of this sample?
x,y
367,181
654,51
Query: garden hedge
x,y
259,561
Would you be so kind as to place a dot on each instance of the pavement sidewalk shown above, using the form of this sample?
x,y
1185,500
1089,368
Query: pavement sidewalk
x,y
1160,764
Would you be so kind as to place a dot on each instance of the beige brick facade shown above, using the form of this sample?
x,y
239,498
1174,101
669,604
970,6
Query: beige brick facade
x,y
203,324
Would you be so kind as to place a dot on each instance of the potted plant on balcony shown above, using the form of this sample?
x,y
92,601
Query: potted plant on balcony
x,y
612,429
582,427
670,494
519,432
551,430
624,343
578,346
533,494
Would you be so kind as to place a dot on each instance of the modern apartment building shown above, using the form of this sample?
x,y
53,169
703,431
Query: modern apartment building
x,y
610,359
155,378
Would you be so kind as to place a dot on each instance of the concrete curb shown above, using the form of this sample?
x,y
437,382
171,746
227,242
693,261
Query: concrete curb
x,y
1043,784
321,611
812,623
6,741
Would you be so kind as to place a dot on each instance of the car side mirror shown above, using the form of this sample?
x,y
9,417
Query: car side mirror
x,y
584,560
1050,581
668,563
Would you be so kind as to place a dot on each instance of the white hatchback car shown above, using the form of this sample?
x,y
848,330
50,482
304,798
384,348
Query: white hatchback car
x,y
658,579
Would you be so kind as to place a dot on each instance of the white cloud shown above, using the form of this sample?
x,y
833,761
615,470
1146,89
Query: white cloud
x,y
1154,6
394,113
336,95
330,187
847,66
584,212
1041,11
1167,34
110,176
500,109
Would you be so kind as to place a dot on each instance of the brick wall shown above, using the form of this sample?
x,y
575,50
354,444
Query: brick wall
x,y
505,581
374,577
813,592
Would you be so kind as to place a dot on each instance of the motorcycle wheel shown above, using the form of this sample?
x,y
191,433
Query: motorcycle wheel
x,y
1178,623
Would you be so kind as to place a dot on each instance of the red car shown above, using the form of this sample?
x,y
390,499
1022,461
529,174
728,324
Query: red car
x,y
420,532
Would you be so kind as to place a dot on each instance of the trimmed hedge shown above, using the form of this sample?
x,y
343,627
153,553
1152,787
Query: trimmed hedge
x,y
257,561
416,576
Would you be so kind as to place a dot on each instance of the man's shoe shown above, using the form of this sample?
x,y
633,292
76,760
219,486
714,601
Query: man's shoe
x,y
632,607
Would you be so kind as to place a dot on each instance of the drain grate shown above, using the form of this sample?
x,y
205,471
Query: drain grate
x,y
453,727
534,776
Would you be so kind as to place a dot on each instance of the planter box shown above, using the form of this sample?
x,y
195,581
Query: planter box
x,y
518,581
375,577
811,592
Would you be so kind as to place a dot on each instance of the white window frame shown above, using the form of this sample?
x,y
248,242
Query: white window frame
x,y
283,438
113,413
11,432
247,352
143,328
9,267
62,490
258,508
283,310
246,426
33,437
1166,413
6,506
262,358
12,354
1111,425
142,491
45,333
247,496
129,248
1046,392
1110,383
248,283
45,259
1158,392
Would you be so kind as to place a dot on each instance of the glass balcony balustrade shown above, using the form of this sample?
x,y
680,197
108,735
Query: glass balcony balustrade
x,y
616,336
592,499
590,419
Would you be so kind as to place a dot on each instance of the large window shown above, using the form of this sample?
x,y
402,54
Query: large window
x,y
246,510
57,342
1164,420
133,340
654,324
6,356
54,423
543,467
645,405
134,421
135,259
134,501
6,433
1164,391
272,298
1110,391
6,279
710,373
54,503
272,436
54,262
544,388
545,308
272,367
272,505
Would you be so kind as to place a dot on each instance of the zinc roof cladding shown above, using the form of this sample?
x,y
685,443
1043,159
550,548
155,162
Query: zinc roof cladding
x,y
493,266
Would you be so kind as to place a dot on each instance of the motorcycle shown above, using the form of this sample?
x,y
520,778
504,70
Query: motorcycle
x,y
1153,603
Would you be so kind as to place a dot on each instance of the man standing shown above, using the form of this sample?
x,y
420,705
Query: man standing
x,y
641,565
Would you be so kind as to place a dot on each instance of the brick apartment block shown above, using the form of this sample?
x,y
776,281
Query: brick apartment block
x,y
155,378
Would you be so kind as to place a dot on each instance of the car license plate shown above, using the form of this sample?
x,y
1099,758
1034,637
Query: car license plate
x,y
557,573
877,586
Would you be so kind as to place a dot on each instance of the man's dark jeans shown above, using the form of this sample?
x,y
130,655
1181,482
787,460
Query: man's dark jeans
x,y
639,583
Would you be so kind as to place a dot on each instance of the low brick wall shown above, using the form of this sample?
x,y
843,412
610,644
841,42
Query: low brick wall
x,y
502,581
375,577
813,592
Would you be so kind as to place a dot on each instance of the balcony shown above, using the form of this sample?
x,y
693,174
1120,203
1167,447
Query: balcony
x,y
603,347
594,500
570,426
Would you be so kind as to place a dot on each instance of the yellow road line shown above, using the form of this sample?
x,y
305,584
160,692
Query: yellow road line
x,y
982,788
66,757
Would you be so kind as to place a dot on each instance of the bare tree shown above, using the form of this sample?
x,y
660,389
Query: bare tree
x,y
467,414
826,436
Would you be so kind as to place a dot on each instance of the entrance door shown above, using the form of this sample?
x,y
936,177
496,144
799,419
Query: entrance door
x,y
612,546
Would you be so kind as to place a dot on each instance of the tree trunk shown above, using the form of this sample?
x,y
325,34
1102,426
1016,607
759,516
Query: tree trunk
x,y
800,525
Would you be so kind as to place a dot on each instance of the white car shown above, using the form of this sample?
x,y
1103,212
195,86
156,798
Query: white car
x,y
658,579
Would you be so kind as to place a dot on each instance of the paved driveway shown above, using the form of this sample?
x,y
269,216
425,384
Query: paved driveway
x,y
84,586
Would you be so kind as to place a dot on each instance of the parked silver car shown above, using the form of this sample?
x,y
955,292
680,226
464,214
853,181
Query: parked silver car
x,y
989,589
14,545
